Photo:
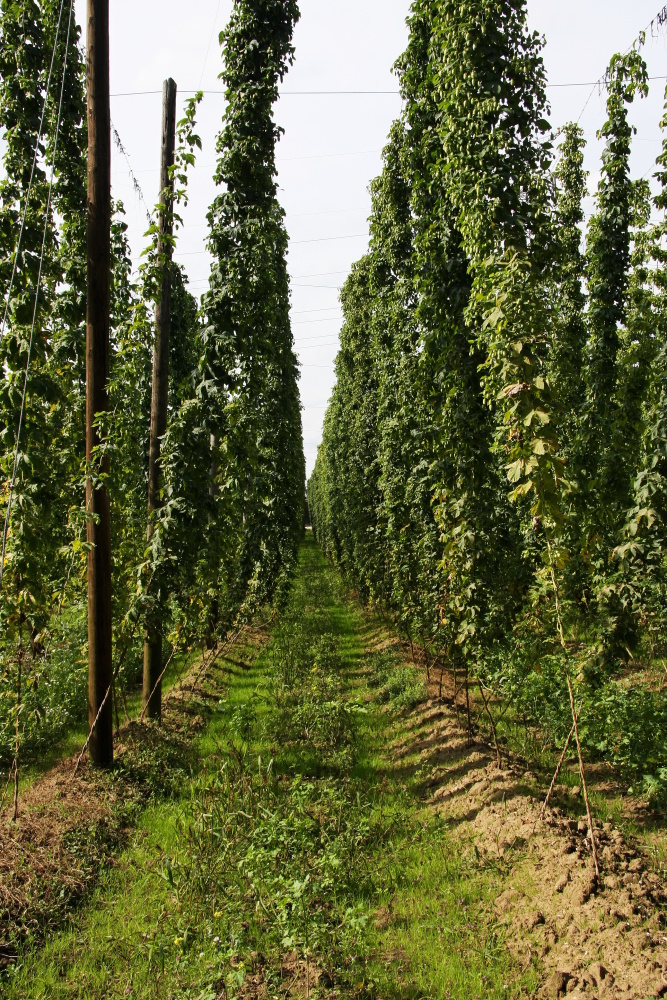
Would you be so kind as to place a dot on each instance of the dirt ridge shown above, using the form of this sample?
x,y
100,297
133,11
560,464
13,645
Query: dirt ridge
x,y
589,938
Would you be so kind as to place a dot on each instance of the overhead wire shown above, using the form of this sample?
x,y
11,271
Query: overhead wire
x,y
293,280
321,274
317,337
330,239
321,239
333,288
302,312
316,347
350,93
285,93
327,319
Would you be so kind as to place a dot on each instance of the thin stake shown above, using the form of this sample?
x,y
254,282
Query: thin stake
x,y
122,694
115,704
92,729
10,775
158,681
456,696
18,739
493,725
16,790
575,715
560,764
583,778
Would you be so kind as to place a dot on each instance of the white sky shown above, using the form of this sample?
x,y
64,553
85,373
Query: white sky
x,y
332,146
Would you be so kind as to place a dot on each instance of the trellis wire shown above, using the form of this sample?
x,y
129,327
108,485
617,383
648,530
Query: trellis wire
x,y
92,728
560,764
10,775
135,183
205,666
210,42
155,686
640,41
660,19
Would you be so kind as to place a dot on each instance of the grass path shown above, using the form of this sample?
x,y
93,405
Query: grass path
x,y
300,859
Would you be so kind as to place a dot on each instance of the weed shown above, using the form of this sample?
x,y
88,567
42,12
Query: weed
x,y
403,689
379,666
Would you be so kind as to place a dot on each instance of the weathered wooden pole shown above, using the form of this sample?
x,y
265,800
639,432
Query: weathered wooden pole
x,y
152,692
100,667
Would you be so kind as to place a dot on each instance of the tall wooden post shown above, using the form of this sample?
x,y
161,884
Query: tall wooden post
x,y
100,670
152,693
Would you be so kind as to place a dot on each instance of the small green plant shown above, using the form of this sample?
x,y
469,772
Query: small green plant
x,y
326,655
292,657
242,721
379,666
403,689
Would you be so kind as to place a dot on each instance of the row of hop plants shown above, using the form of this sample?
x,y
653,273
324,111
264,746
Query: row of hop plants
x,y
493,470
224,541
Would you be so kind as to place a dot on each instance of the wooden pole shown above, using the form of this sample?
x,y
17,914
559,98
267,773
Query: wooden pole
x,y
100,672
152,686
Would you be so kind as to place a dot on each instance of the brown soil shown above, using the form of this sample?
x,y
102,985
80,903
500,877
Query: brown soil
x,y
71,826
298,978
588,938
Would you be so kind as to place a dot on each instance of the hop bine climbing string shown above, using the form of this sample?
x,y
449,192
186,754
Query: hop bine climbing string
x,y
135,183
15,464
32,172
38,285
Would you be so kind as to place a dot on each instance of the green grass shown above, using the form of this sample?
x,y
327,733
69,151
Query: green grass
x,y
297,853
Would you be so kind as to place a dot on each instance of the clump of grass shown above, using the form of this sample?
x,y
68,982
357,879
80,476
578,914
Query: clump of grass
x,y
379,666
403,689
